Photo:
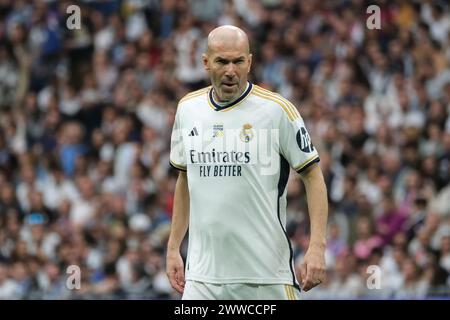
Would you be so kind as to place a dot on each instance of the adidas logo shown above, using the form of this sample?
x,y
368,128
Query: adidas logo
x,y
193,132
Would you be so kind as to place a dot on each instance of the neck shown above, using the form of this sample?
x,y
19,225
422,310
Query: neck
x,y
224,102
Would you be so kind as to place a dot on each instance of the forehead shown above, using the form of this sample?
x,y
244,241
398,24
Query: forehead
x,y
228,55
228,50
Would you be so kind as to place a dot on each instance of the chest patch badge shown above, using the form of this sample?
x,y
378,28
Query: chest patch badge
x,y
217,130
247,133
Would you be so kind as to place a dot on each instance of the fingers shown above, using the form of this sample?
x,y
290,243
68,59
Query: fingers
x,y
175,273
315,275
176,280
171,276
308,279
303,273
180,279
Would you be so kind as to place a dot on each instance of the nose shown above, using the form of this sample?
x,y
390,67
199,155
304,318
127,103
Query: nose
x,y
230,70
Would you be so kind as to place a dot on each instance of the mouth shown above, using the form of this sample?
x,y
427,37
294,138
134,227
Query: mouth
x,y
229,84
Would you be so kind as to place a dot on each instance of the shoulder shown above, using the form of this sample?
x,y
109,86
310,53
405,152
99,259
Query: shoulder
x,y
276,102
192,95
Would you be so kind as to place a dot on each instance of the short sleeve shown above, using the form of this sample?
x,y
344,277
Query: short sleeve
x,y
177,152
296,145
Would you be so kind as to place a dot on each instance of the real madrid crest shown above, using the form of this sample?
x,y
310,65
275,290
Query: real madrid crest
x,y
246,133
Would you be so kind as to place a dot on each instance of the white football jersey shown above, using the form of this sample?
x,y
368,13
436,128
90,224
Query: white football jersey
x,y
238,157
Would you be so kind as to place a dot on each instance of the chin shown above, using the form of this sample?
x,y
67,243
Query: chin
x,y
229,97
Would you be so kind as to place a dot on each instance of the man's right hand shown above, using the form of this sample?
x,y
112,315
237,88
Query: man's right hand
x,y
175,270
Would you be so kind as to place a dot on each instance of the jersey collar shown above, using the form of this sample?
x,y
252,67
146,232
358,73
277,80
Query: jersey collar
x,y
219,107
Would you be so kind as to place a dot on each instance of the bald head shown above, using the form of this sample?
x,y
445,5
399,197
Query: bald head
x,y
228,38
228,62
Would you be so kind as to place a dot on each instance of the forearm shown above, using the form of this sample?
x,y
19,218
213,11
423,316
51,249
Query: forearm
x,y
180,216
316,193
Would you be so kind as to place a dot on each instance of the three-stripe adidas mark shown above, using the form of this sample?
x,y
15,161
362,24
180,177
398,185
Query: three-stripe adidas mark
x,y
193,132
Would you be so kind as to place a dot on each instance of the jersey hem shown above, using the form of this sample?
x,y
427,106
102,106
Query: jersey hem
x,y
177,166
241,280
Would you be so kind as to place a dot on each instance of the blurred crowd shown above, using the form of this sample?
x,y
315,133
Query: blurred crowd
x,y
86,117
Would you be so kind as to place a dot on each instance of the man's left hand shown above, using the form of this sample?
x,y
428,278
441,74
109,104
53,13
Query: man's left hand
x,y
312,270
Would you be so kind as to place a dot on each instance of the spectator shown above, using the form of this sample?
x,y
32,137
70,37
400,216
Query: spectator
x,y
346,282
9,289
391,221
366,238
413,286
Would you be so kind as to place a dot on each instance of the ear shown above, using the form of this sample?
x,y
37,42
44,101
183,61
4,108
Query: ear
x,y
250,56
205,60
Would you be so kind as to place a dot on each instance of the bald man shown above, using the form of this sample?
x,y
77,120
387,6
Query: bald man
x,y
228,44
234,144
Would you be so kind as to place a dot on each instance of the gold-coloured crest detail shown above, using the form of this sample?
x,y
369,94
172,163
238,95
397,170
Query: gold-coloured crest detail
x,y
246,133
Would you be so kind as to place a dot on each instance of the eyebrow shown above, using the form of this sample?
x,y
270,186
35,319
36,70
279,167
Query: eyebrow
x,y
225,59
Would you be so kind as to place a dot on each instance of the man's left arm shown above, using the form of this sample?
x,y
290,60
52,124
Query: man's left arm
x,y
313,267
297,148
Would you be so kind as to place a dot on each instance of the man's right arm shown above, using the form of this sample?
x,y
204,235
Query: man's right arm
x,y
180,222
